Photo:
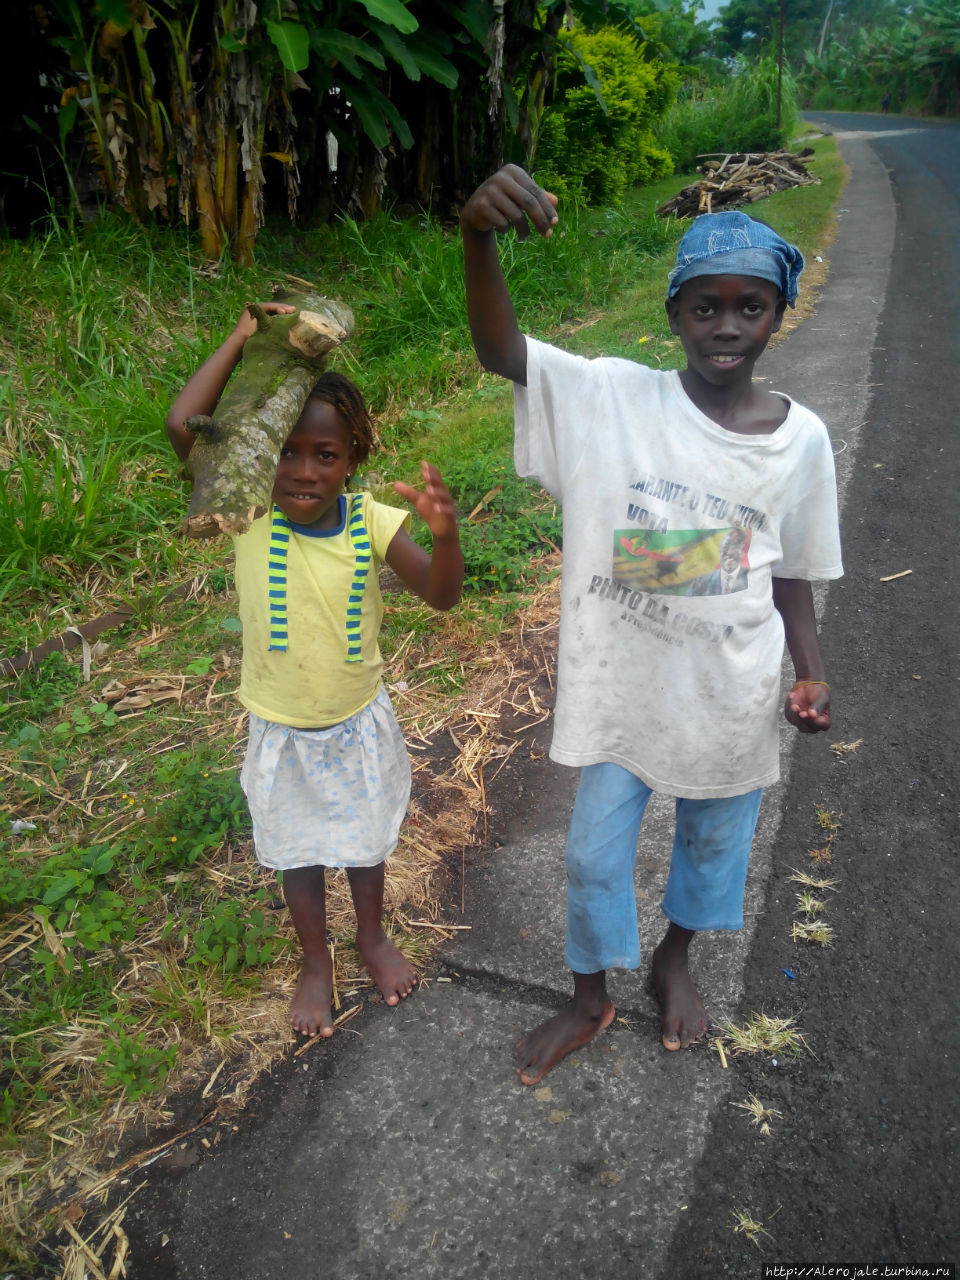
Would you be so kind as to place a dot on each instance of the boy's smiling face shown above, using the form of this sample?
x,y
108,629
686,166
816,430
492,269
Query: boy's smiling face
x,y
724,323
316,461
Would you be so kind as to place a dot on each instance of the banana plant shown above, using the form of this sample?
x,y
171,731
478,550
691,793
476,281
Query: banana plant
x,y
183,103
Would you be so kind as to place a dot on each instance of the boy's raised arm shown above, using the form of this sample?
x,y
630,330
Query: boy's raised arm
x,y
510,198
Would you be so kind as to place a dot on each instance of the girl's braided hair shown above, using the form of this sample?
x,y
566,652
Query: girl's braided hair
x,y
336,390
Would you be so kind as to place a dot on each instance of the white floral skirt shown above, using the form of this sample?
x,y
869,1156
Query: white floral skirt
x,y
331,797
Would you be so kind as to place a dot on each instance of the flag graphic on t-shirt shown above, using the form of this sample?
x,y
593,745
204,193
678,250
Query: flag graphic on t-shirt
x,y
681,561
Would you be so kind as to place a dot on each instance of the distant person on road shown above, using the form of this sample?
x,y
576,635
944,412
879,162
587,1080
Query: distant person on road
x,y
326,772
885,102
658,689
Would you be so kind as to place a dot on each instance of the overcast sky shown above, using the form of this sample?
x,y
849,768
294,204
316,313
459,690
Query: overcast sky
x,y
710,9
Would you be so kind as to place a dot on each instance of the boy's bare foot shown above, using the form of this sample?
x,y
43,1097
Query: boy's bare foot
x,y
684,1017
540,1050
393,973
310,1007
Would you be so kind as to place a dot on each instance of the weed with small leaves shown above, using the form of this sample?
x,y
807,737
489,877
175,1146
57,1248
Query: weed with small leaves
x,y
753,1230
759,1114
763,1034
812,931
39,692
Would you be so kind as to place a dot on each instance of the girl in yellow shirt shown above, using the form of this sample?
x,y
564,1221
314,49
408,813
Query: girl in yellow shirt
x,y
326,772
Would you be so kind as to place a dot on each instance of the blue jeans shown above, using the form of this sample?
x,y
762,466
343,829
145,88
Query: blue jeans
x,y
708,868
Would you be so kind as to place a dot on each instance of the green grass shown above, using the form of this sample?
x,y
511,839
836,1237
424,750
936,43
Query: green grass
x,y
739,115
129,863
105,323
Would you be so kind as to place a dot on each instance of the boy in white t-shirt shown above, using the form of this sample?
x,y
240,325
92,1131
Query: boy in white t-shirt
x,y
698,506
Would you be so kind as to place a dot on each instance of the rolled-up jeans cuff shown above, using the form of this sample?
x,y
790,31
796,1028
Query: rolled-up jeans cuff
x,y
601,852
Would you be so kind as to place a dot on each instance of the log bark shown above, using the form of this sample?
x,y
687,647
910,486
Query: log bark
x,y
234,461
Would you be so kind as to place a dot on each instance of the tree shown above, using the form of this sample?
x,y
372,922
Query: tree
x,y
750,27
181,104
920,56
675,29
910,50
202,110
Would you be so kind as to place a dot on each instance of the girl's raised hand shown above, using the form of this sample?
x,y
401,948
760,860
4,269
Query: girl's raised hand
x,y
434,503
247,324
203,389
510,198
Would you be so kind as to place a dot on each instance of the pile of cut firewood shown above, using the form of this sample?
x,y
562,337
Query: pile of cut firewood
x,y
741,177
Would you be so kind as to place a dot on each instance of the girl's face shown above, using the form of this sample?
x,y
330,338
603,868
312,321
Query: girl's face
x,y
315,463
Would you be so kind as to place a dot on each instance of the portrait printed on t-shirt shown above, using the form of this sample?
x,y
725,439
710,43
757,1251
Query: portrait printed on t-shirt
x,y
686,562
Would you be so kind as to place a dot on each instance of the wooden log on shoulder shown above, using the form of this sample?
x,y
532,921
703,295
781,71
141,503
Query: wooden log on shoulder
x,y
234,461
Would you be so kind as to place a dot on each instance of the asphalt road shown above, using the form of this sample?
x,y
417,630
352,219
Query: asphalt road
x,y
410,1150
863,1165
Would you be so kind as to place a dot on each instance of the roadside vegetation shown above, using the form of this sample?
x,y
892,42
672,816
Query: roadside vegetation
x,y
145,956
908,54
853,55
739,114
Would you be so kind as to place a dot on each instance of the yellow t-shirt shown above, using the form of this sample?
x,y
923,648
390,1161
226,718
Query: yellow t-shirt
x,y
311,684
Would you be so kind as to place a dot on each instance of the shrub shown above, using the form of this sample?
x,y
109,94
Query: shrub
x,y
595,153
740,115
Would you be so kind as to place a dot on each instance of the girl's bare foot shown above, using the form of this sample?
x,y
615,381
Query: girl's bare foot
x,y
393,973
545,1046
310,1008
303,888
683,1016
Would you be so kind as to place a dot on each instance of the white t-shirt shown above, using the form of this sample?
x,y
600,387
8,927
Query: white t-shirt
x,y
662,669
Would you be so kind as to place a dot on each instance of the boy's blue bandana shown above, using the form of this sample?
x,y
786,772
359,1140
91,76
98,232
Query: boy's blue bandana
x,y
280,530
732,244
